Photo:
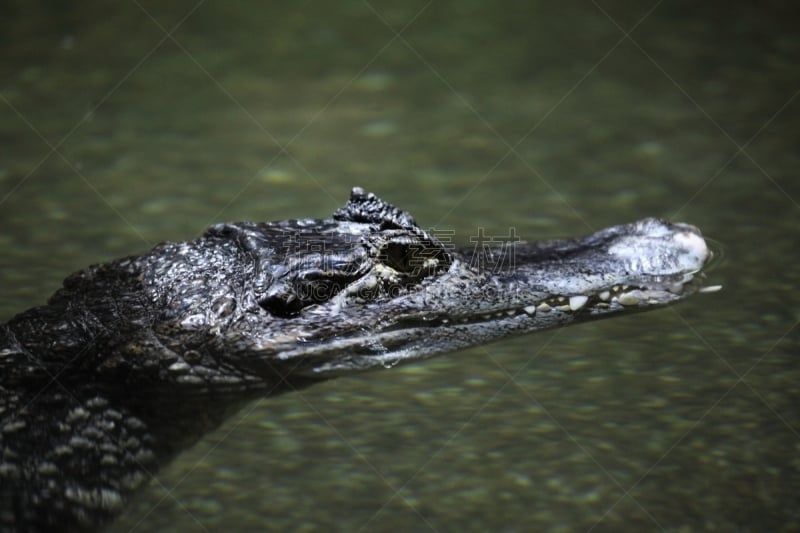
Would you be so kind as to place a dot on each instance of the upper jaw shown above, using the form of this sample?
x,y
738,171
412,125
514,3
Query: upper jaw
x,y
643,264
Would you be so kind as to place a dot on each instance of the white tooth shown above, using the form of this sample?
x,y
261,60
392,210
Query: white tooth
x,y
179,366
628,298
710,288
511,312
543,307
605,295
576,302
564,308
530,309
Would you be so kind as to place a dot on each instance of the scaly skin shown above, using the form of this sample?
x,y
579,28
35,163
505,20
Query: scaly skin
x,y
134,360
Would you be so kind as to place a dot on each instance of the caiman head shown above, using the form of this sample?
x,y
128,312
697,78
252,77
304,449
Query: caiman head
x,y
369,288
133,360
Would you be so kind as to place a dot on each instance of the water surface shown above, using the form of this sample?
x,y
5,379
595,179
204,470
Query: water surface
x,y
125,124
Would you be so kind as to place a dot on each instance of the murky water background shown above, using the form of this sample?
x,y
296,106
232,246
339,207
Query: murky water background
x,y
127,123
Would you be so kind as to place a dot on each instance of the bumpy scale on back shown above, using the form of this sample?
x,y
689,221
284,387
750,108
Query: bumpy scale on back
x,y
132,361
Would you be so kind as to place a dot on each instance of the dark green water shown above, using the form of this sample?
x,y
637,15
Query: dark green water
x,y
547,117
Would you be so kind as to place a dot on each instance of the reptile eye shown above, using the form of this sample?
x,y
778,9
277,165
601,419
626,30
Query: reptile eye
x,y
415,259
282,304
401,257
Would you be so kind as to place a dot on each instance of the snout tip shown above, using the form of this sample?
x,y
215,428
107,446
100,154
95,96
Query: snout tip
x,y
695,251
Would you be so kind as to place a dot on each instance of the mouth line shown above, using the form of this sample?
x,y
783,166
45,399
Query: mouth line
x,y
603,300
386,347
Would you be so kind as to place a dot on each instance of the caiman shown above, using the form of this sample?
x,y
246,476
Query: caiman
x,y
132,361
